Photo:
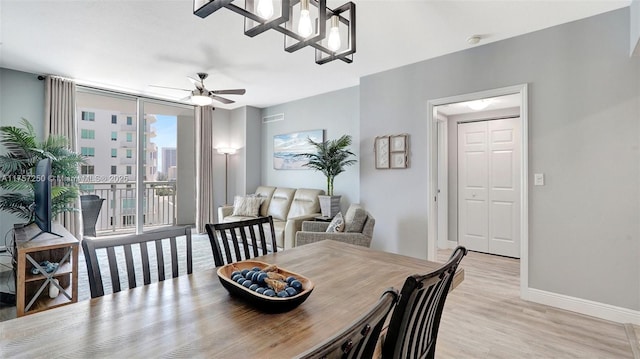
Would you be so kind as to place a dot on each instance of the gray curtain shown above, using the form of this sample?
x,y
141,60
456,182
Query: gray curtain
x,y
59,112
205,210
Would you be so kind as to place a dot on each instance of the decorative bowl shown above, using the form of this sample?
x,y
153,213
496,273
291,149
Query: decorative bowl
x,y
260,301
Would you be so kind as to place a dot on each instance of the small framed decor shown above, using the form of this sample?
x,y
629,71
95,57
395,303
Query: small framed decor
x,y
398,151
381,148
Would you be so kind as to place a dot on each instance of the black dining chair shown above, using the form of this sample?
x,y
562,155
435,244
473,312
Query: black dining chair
x,y
359,339
414,324
116,252
241,240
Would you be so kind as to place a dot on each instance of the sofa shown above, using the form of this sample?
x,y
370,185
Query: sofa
x,y
357,229
288,207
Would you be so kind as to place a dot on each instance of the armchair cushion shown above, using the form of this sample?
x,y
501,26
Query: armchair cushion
x,y
355,218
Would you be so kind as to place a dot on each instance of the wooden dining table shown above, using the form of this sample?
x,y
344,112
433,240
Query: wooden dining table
x,y
194,315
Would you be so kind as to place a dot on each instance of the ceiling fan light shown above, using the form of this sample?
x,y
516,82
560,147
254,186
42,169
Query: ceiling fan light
x,y
201,100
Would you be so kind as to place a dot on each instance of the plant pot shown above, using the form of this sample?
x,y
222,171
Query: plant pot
x,y
329,205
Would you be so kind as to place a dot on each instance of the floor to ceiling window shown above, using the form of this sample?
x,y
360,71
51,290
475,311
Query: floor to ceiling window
x,y
135,166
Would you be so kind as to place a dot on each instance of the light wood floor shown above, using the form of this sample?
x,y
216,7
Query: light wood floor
x,y
484,317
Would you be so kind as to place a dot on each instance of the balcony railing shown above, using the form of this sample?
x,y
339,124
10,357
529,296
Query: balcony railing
x,y
119,205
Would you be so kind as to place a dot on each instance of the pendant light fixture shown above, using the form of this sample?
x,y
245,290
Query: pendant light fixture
x,y
303,22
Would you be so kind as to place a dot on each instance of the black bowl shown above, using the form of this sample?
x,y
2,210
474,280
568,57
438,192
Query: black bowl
x,y
257,300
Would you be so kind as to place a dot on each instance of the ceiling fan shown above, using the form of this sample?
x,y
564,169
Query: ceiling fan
x,y
203,97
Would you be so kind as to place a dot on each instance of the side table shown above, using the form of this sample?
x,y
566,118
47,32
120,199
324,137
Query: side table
x,y
32,294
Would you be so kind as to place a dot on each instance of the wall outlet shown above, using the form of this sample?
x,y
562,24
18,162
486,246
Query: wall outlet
x,y
538,179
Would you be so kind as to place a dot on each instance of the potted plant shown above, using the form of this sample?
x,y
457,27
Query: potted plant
x,y
17,165
331,158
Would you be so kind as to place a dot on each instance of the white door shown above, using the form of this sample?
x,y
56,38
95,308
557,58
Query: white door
x,y
489,186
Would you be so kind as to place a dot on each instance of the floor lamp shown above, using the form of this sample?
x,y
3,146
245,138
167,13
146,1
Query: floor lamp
x,y
226,151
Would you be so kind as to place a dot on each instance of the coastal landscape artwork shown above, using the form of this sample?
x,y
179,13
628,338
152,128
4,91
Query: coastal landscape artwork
x,y
288,145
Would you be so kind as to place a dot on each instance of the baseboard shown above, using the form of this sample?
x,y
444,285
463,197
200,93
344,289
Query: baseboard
x,y
583,306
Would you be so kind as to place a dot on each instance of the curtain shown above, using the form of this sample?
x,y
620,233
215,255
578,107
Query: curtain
x,y
205,210
59,112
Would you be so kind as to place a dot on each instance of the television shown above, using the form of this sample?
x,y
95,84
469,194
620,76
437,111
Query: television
x,y
42,197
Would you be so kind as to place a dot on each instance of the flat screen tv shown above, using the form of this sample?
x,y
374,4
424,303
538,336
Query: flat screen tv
x,y
42,197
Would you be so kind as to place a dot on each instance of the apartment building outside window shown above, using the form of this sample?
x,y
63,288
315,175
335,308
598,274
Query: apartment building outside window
x,y
88,151
114,136
88,116
129,120
114,119
128,170
114,152
129,137
88,134
114,170
129,153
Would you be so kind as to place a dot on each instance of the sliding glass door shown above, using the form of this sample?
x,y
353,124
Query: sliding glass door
x,y
132,165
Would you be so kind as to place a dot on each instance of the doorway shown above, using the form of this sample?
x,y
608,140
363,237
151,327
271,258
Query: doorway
x,y
443,212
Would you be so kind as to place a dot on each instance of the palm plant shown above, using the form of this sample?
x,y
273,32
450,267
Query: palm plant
x,y
17,166
331,158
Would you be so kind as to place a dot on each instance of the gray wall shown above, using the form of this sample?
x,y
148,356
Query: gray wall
x,y
335,112
634,38
584,114
21,96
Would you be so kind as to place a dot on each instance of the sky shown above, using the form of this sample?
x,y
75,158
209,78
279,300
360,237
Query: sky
x,y
166,134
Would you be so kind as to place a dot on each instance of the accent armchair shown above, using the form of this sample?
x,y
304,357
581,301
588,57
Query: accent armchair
x,y
358,229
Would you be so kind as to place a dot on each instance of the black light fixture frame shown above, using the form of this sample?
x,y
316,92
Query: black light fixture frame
x,y
204,8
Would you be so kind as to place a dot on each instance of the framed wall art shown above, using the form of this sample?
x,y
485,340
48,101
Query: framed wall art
x,y
381,148
288,145
398,152
391,151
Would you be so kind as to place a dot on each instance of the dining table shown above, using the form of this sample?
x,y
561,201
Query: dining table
x,y
193,315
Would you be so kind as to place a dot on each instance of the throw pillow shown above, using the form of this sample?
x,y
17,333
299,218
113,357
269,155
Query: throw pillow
x,y
357,224
337,224
247,206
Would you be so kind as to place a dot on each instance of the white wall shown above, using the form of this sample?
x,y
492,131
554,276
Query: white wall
x,y
634,18
584,134
335,112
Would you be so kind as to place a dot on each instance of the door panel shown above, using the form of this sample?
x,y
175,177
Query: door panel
x,y
489,186
472,186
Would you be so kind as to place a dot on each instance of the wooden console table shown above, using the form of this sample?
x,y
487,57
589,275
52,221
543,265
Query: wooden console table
x,y
32,290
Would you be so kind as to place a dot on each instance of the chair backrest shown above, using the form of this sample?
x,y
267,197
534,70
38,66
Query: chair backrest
x,y
413,327
359,339
280,203
236,241
305,201
94,248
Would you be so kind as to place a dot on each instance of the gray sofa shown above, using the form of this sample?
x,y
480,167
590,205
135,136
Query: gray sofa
x,y
289,208
355,234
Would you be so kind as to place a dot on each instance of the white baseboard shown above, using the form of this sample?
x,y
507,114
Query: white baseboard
x,y
583,306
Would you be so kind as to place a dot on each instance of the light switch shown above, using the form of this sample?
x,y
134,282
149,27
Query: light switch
x,y
538,179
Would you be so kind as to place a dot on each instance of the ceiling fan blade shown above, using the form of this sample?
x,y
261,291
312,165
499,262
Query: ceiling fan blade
x,y
185,98
172,88
197,83
221,99
230,92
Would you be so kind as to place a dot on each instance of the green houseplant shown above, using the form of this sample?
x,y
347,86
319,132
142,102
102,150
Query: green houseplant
x,y
331,158
17,166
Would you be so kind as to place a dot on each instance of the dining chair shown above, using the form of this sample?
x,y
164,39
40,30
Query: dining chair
x,y
236,241
119,251
413,327
359,339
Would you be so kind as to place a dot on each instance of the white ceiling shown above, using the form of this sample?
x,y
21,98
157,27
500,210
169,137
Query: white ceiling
x,y
128,45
